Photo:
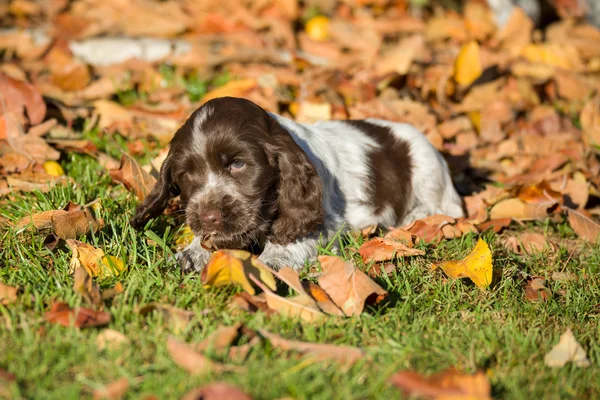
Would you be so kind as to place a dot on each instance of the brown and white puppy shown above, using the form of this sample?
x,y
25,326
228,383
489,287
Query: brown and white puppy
x,y
253,180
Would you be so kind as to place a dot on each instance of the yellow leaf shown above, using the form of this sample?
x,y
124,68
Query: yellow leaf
x,y
467,67
185,237
53,168
317,28
227,267
94,260
113,265
548,54
477,266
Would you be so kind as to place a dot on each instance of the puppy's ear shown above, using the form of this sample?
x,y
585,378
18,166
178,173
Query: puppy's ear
x,y
300,190
157,200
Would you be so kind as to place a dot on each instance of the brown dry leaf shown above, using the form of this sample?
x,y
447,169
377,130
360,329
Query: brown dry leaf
x,y
583,225
75,223
17,97
477,266
80,317
216,391
343,354
348,287
496,225
227,267
67,72
110,339
8,294
221,338
529,243
237,88
112,391
177,319
31,179
133,177
383,249
449,384
519,210
249,303
590,122
70,222
302,307
536,290
400,58
310,295
84,285
567,349
425,232
187,358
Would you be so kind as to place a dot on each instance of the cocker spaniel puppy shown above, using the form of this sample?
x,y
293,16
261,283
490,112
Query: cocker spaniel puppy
x,y
249,179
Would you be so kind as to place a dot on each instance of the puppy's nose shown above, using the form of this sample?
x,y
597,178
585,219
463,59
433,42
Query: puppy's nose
x,y
211,217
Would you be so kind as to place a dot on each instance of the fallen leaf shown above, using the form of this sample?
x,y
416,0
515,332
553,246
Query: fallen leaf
x,y
133,177
110,339
216,391
176,318
8,294
467,67
567,350
449,384
18,97
79,317
519,210
237,88
187,358
424,231
53,168
348,287
476,266
250,303
84,285
529,243
227,267
496,225
536,290
69,223
113,391
583,225
590,122
382,249
96,263
221,338
343,354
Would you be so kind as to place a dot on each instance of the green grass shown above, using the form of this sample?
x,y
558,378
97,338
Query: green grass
x,y
428,324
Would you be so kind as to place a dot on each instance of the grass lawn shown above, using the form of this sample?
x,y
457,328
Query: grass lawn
x,y
427,323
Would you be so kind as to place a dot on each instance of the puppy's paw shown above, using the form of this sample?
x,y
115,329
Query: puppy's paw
x,y
193,258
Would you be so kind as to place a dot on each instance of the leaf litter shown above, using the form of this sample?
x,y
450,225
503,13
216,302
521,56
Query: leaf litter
x,y
531,127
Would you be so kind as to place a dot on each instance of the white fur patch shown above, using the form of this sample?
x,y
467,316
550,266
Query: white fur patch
x,y
199,140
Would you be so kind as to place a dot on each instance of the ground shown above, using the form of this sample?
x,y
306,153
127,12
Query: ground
x,y
427,324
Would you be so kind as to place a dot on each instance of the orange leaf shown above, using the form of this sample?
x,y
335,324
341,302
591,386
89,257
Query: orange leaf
x,y
382,249
348,287
449,384
80,317
584,225
133,177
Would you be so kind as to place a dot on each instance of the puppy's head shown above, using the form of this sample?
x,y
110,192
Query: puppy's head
x,y
240,177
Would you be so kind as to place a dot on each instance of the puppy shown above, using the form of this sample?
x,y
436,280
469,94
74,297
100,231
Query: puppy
x,y
249,179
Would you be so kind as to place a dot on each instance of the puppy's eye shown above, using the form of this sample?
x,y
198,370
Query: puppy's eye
x,y
236,165
175,190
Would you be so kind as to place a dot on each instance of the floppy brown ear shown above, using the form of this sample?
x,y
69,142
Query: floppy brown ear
x,y
300,190
157,200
